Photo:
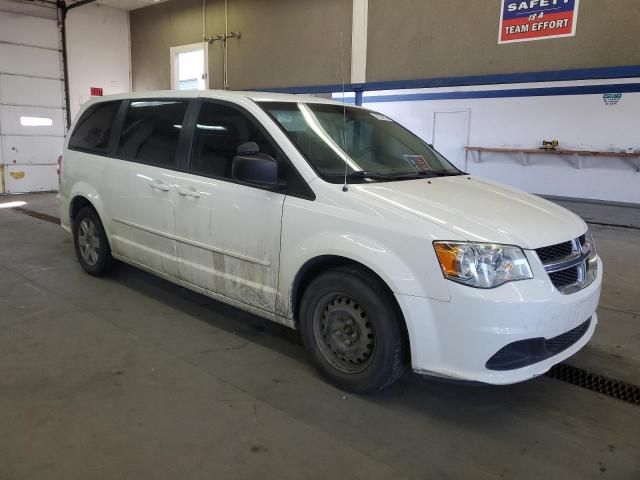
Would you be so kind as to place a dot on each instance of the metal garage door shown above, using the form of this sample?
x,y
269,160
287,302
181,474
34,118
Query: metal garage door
x,y
31,103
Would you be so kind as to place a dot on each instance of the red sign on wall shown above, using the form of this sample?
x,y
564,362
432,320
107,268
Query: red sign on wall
x,y
524,20
96,91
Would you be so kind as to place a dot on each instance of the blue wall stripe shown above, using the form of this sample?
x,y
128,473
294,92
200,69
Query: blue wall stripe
x,y
628,71
527,77
523,92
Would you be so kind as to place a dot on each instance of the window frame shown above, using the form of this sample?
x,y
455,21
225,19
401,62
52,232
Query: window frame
x,y
192,47
184,150
114,129
305,190
262,104
122,115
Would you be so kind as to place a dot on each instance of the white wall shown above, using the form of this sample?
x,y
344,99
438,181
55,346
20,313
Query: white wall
x,y
98,48
577,121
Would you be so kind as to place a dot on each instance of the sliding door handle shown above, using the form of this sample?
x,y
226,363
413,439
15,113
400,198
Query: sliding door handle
x,y
188,192
158,185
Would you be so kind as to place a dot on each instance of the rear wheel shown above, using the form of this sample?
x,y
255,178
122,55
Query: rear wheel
x,y
349,323
91,244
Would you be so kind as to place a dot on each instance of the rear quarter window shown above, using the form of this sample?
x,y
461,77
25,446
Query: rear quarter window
x,y
93,130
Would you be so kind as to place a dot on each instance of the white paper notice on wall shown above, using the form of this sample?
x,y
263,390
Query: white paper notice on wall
x,y
611,98
523,21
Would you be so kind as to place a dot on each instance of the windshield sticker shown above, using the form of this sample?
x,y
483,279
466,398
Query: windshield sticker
x,y
418,162
379,116
284,117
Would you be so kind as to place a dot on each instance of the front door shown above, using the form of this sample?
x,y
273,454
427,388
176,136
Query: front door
x,y
227,233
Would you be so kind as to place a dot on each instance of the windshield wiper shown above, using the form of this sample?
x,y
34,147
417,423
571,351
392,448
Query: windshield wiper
x,y
363,174
424,174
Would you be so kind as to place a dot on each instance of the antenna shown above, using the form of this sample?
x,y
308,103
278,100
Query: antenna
x,y
345,187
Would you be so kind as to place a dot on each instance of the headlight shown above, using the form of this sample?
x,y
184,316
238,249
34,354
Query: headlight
x,y
482,265
589,246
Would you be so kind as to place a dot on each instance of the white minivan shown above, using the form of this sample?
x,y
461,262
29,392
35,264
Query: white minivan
x,y
336,221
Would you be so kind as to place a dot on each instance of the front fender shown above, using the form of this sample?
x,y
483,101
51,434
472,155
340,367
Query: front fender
x,y
416,279
380,258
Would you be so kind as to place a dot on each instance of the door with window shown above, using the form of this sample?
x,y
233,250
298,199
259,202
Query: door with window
x,y
189,67
228,233
139,185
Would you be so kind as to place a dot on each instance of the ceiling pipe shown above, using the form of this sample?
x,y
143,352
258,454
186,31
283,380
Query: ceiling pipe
x,y
221,38
227,36
62,27
63,8
79,3
224,45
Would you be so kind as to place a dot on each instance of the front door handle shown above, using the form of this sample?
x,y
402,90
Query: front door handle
x,y
188,192
158,185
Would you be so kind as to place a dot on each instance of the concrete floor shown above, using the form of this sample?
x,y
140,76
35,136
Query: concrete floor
x,y
133,377
596,212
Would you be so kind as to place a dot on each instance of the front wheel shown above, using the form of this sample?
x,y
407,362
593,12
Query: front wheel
x,y
352,330
90,241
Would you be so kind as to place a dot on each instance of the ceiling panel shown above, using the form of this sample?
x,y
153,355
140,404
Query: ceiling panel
x,y
125,4
46,9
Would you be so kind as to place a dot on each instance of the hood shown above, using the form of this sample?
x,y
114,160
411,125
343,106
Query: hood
x,y
475,209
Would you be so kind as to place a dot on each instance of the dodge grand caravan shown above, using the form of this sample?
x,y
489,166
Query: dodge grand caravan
x,y
336,221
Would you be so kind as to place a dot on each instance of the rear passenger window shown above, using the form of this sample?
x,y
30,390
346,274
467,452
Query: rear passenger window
x,y
151,131
219,131
94,128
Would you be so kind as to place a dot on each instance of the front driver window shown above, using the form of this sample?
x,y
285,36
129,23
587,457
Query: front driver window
x,y
219,132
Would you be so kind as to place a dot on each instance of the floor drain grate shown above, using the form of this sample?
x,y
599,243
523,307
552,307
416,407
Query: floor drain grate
x,y
597,383
39,216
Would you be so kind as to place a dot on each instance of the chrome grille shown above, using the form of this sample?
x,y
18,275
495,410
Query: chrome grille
x,y
571,265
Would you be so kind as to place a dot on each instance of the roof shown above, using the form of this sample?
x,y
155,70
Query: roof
x,y
221,94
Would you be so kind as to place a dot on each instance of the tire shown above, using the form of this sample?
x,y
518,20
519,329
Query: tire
x,y
350,325
91,243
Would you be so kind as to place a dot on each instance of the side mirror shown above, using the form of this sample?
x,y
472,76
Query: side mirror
x,y
255,168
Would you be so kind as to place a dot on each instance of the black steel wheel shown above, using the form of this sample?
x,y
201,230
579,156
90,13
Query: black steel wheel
x,y
344,335
350,325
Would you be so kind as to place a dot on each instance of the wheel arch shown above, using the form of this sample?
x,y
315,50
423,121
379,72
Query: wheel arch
x,y
83,194
76,204
314,267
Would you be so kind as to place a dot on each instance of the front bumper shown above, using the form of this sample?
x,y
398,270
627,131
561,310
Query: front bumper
x,y
455,339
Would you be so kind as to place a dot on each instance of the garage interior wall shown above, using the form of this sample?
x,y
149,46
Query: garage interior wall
x,y
98,52
284,43
294,46
581,122
415,39
513,115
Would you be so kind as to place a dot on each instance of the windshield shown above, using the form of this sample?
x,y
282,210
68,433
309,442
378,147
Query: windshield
x,y
371,146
